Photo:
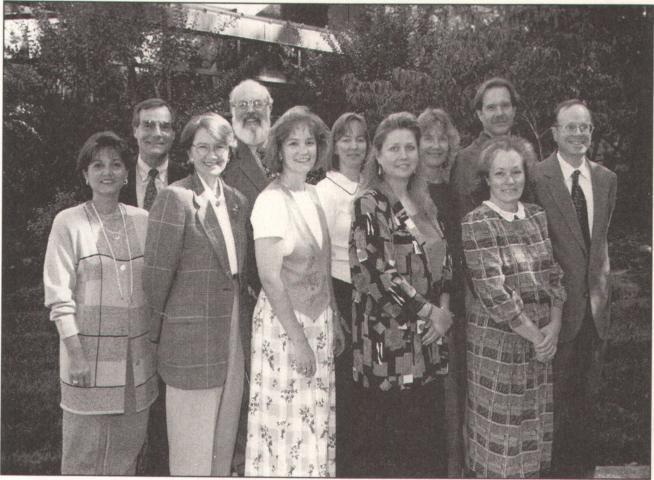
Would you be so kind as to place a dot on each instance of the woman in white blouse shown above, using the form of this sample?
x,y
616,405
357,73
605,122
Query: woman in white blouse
x,y
291,416
345,159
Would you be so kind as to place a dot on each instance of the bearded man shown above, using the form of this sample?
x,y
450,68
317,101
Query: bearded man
x,y
251,106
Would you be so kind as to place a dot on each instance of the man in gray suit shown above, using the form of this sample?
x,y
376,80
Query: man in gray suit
x,y
251,106
579,197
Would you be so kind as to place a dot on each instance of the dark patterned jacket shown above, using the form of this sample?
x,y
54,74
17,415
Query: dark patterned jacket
x,y
392,282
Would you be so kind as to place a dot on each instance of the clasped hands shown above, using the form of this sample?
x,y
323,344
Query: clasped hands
x,y
438,322
546,349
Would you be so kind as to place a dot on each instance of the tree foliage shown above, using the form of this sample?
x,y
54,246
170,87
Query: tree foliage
x,y
98,59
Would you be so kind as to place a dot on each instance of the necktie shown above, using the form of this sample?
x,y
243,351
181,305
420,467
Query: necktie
x,y
151,189
579,200
261,154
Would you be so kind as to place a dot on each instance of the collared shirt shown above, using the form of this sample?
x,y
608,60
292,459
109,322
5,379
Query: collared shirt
x,y
506,215
143,178
220,209
336,193
585,183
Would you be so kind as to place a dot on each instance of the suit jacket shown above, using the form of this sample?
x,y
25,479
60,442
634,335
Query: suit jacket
x,y
188,282
586,271
244,174
128,193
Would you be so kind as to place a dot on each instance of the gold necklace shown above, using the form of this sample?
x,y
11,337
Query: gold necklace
x,y
113,256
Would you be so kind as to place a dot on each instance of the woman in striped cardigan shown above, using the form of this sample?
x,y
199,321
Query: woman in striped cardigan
x,y
92,282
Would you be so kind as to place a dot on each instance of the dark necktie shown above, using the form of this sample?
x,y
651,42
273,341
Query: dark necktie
x,y
261,152
151,189
579,200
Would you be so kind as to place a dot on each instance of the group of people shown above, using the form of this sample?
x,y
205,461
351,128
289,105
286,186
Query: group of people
x,y
421,311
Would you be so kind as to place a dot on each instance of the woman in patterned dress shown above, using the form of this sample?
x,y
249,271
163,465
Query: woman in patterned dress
x,y
398,259
513,321
92,282
291,417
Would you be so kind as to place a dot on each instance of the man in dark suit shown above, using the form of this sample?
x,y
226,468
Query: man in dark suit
x,y
579,197
251,106
152,126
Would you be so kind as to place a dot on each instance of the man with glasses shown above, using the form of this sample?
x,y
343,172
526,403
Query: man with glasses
x,y
152,126
579,197
251,106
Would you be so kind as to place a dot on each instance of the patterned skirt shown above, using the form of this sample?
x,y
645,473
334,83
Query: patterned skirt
x,y
291,418
509,411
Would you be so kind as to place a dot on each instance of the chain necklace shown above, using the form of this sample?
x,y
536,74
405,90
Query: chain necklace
x,y
356,189
113,256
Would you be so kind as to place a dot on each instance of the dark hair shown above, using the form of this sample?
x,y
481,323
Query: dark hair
x,y
437,116
567,104
284,126
149,104
97,142
217,126
506,143
495,82
339,129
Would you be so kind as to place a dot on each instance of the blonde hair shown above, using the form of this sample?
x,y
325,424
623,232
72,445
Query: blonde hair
x,y
373,173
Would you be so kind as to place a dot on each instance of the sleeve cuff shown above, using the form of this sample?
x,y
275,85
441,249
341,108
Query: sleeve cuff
x,y
517,321
66,326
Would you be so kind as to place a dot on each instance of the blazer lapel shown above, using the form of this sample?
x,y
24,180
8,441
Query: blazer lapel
x,y
249,166
562,198
234,208
207,219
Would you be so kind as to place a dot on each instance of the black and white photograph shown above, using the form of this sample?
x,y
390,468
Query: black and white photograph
x,y
355,240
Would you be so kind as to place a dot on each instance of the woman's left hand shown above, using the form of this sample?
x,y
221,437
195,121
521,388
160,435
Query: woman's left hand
x,y
339,336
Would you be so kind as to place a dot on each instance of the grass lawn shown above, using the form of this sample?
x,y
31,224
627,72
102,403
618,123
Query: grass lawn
x,y
31,417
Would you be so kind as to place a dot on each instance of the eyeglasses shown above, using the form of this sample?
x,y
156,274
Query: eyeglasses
x,y
203,149
256,104
151,125
572,128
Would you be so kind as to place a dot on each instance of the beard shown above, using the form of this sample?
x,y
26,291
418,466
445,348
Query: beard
x,y
251,133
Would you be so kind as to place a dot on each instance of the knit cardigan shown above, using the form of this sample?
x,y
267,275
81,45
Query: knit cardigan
x,y
82,293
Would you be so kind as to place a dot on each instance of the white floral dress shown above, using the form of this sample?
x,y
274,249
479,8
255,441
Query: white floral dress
x,y
291,418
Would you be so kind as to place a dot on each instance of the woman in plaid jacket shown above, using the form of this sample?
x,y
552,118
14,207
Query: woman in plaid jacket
x,y
194,265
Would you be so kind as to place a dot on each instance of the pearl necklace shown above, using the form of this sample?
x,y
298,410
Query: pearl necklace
x,y
113,256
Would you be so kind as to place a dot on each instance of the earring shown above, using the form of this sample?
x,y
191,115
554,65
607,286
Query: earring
x,y
380,172
87,181
125,182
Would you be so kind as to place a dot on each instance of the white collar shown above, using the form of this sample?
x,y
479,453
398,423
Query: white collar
x,y
143,169
568,169
342,181
508,216
210,194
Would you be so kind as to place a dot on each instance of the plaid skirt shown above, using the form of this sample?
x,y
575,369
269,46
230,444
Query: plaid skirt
x,y
509,411
291,418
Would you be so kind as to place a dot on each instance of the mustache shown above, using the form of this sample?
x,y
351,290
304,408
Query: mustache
x,y
251,116
500,119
